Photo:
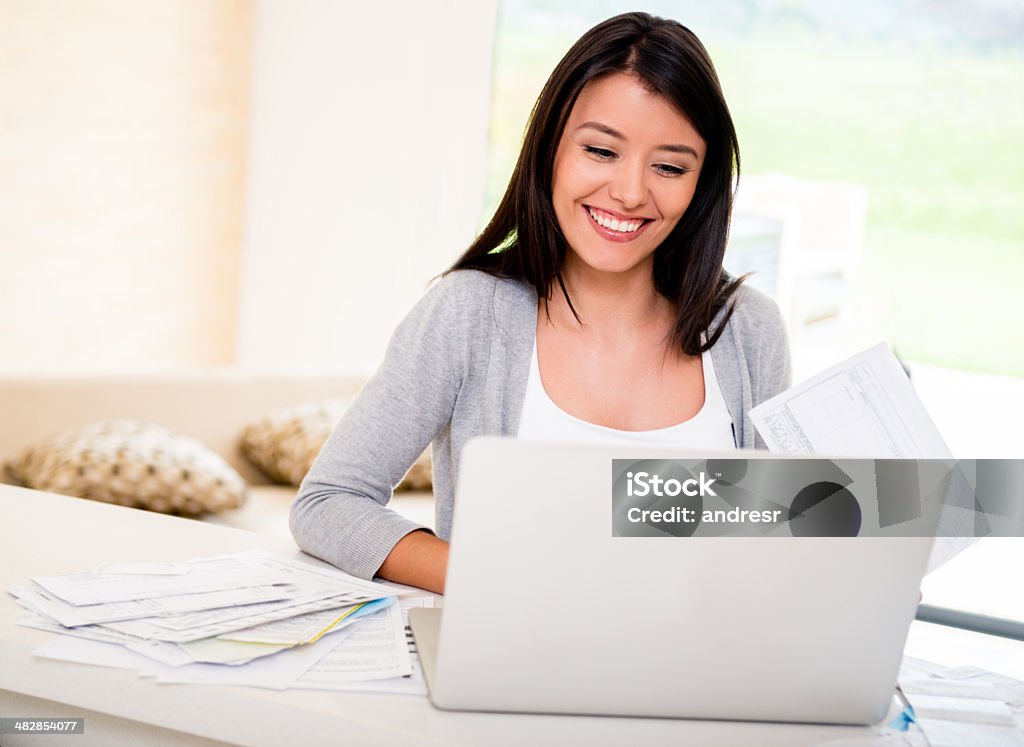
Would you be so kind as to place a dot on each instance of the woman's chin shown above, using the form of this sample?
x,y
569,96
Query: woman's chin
x,y
603,264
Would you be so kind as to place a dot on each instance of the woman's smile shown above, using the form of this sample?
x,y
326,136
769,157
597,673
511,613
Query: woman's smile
x,y
614,226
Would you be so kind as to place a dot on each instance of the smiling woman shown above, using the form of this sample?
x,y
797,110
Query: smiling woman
x,y
625,172
624,149
593,307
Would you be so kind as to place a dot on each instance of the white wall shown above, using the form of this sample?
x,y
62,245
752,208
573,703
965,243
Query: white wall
x,y
366,168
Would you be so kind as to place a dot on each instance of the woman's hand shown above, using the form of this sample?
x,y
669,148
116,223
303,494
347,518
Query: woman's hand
x,y
419,559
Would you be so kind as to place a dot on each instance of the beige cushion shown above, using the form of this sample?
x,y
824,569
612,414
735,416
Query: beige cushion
x,y
131,464
285,443
212,405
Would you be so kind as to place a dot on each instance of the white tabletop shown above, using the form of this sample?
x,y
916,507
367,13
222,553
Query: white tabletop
x,y
44,534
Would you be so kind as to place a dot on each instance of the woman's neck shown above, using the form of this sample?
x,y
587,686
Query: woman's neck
x,y
610,304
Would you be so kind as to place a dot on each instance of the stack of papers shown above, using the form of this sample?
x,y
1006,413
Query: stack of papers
x,y
964,705
251,618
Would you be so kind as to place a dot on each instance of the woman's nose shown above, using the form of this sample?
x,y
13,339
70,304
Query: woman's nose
x,y
629,186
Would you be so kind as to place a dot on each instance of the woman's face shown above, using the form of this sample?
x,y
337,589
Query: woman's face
x,y
625,171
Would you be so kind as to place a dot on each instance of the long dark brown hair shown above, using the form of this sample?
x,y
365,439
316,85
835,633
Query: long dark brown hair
x,y
523,239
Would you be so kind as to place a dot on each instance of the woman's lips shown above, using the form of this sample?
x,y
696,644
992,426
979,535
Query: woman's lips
x,y
610,233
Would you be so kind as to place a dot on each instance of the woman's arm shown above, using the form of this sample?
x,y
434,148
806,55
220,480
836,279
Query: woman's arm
x,y
340,514
419,559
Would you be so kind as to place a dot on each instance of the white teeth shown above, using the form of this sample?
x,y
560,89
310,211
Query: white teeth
x,y
614,224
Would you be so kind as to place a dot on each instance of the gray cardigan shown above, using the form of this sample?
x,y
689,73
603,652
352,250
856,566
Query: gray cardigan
x,y
456,367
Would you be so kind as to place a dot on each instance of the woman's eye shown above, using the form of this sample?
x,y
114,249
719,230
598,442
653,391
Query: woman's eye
x,y
602,153
668,170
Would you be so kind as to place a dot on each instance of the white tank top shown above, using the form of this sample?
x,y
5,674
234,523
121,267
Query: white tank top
x,y
711,428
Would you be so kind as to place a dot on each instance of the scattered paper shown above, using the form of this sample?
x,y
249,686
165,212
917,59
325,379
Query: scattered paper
x,y
251,618
71,616
275,672
342,669
376,649
964,705
145,569
218,651
307,628
89,632
300,573
272,672
97,653
166,629
212,574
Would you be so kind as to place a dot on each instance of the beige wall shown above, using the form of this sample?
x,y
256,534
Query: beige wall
x,y
367,162
122,141
129,153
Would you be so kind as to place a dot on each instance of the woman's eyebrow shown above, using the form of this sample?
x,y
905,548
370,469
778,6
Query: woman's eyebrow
x,y
612,132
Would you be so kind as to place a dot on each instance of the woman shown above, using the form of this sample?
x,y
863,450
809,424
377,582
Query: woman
x,y
592,307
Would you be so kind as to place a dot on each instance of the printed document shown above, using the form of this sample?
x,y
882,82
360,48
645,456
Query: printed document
x,y
377,649
862,407
410,684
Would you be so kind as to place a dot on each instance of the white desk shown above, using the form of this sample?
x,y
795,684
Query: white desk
x,y
42,533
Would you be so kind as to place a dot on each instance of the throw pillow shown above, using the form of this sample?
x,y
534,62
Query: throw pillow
x,y
284,444
131,464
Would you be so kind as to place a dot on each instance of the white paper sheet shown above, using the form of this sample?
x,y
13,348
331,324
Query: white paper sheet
x,y
375,649
208,650
862,407
307,628
243,569
170,654
89,632
273,672
144,569
217,651
211,574
312,589
303,574
412,684
150,612
157,629
98,653
71,616
204,618
323,676
277,672
964,705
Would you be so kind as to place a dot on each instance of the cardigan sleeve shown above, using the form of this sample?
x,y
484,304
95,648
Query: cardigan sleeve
x,y
776,375
340,514
772,369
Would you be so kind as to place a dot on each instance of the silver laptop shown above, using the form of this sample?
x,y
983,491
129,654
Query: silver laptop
x,y
547,612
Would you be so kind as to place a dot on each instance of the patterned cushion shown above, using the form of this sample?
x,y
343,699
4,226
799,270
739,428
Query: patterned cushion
x,y
284,444
131,464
